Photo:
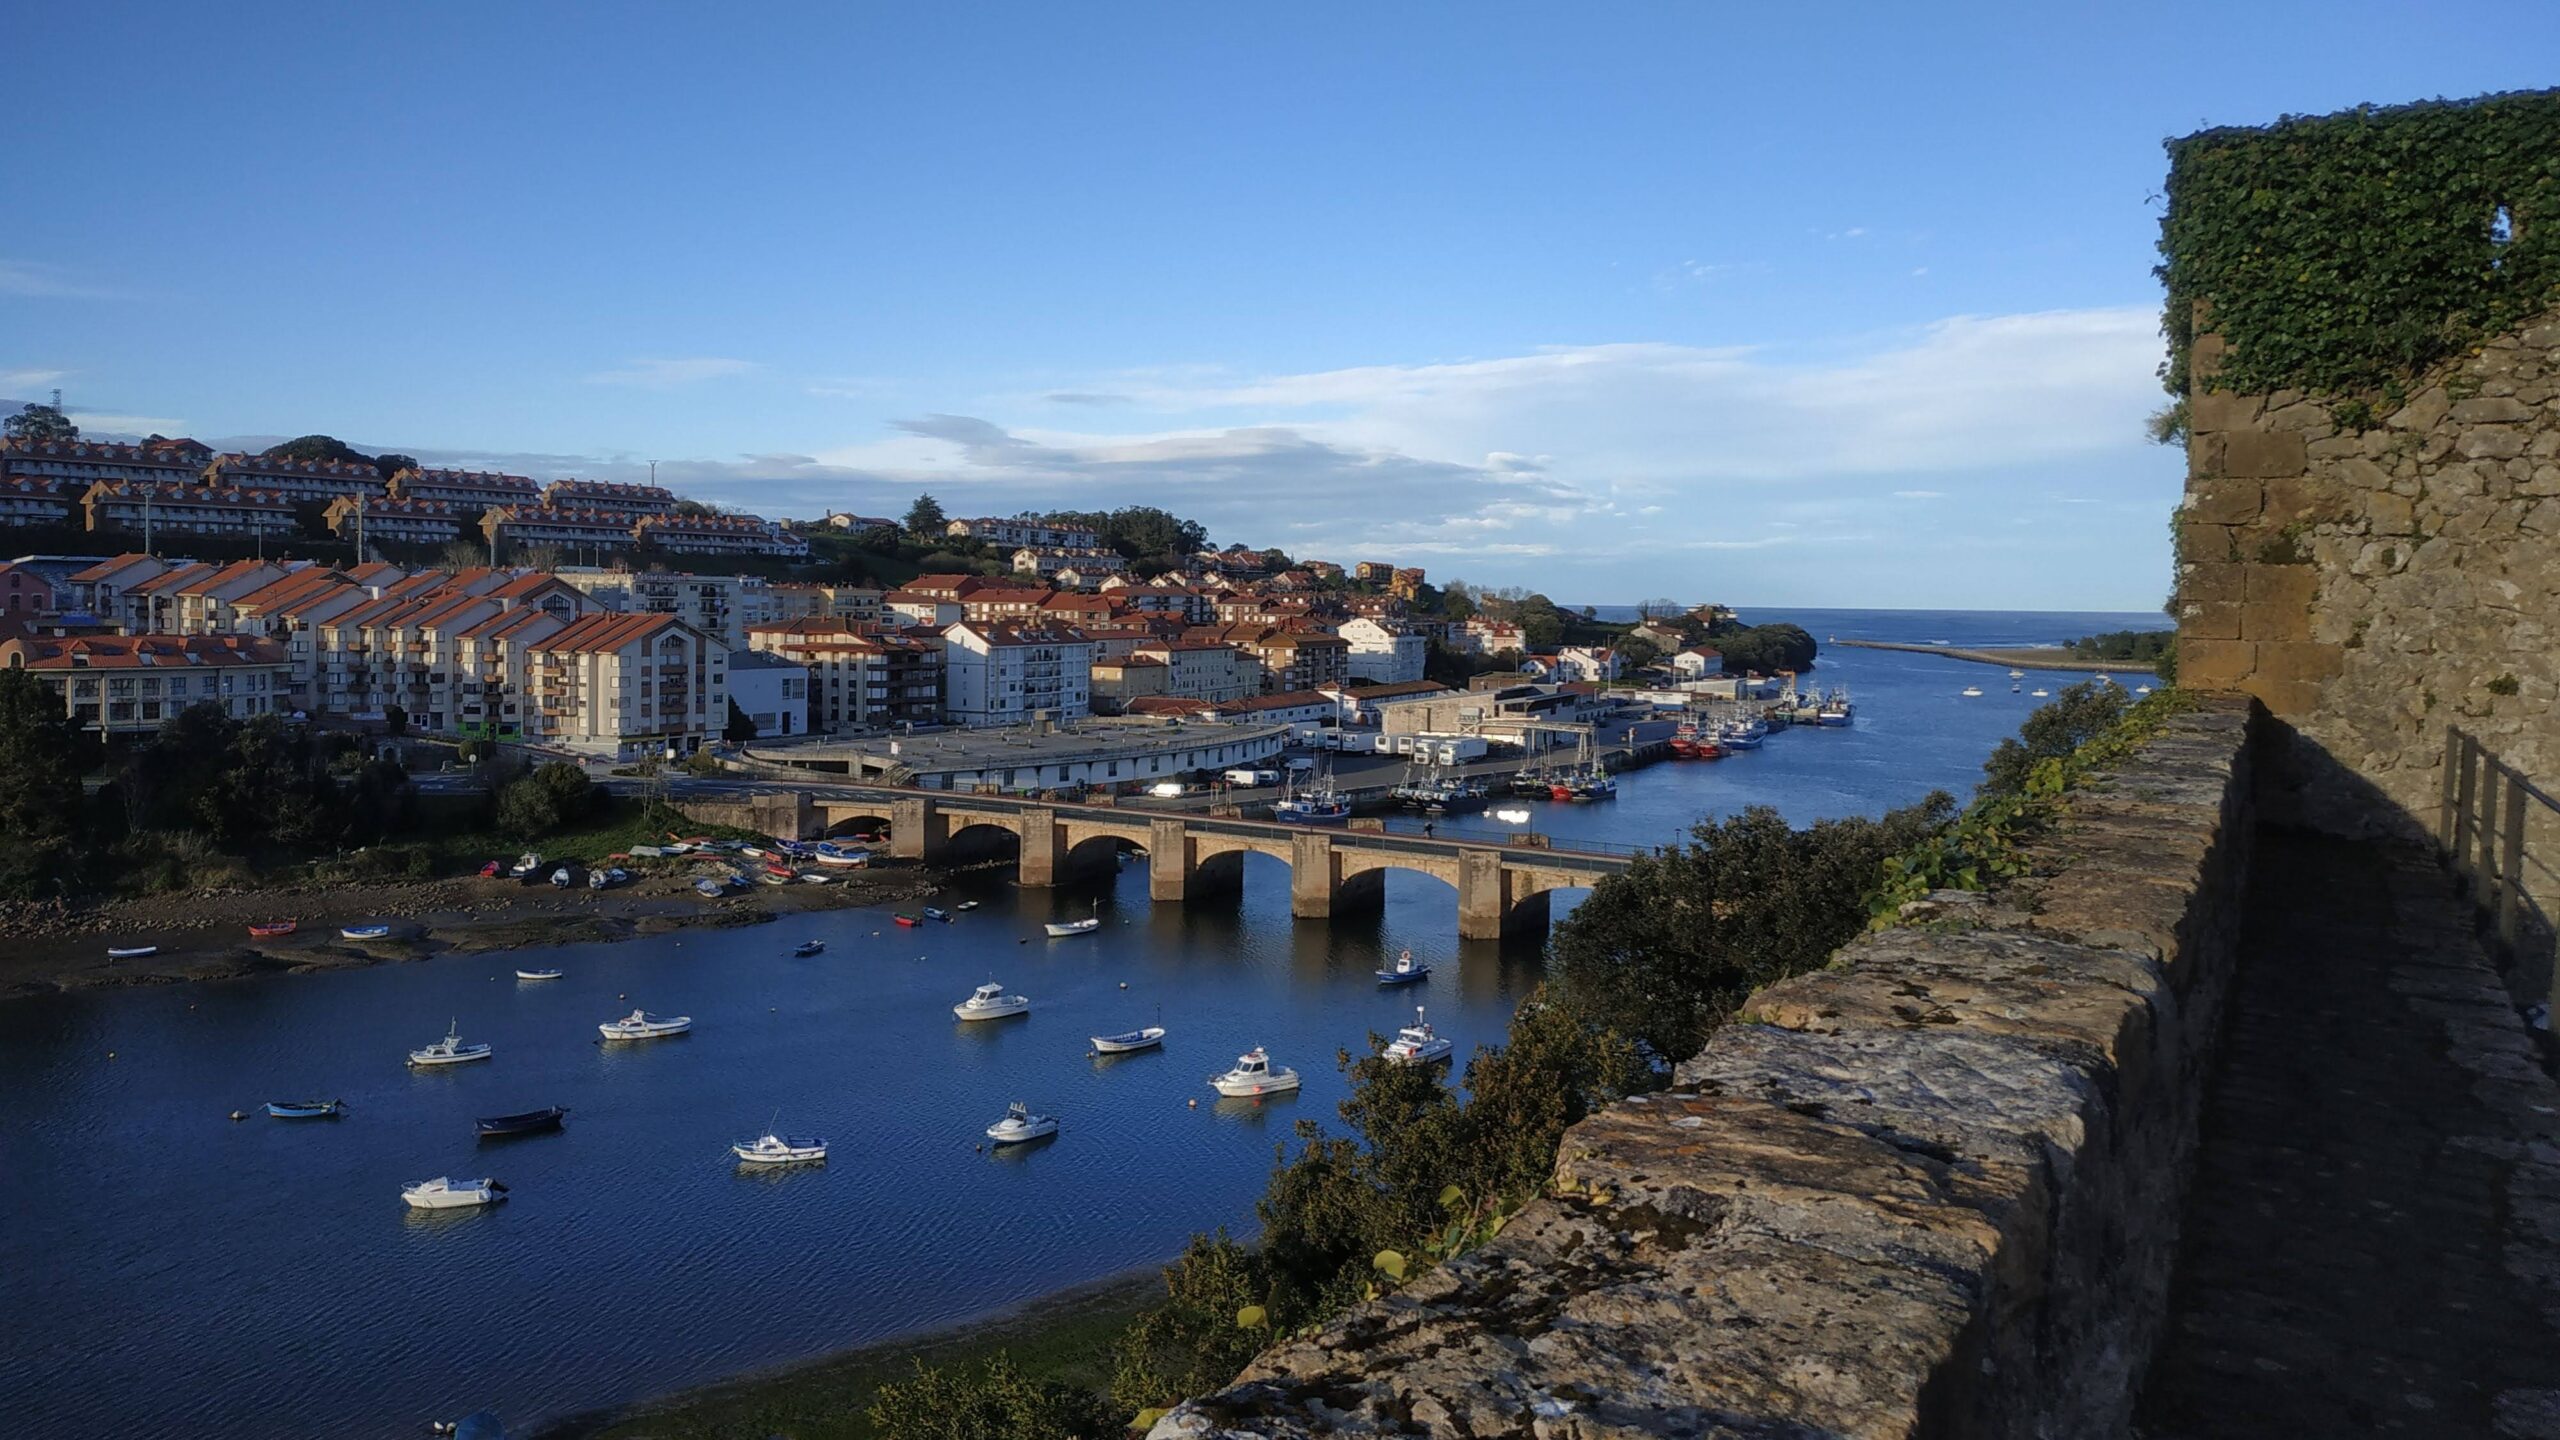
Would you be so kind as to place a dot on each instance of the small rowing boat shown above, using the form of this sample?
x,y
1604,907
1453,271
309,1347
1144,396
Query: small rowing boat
x,y
909,921
273,929
537,974
807,948
306,1109
131,952
364,932
531,1122
1061,929
1146,1039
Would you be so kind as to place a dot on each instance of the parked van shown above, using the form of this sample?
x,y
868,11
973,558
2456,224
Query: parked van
x,y
1252,778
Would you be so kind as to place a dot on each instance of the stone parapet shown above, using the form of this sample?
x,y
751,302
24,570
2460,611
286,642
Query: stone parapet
x,y
1932,1189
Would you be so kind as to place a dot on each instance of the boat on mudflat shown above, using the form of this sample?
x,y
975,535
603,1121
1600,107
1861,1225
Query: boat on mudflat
x,y
273,929
131,952
376,931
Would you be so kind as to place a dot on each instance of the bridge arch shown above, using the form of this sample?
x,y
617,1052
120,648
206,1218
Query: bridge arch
x,y
841,823
977,838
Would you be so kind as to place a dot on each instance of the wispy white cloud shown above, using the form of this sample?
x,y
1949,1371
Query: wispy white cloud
x,y
666,374
104,424
17,380
37,280
1919,494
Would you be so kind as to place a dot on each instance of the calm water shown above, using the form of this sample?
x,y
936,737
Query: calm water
x,y
166,1272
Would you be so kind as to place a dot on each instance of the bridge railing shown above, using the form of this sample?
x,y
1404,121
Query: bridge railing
x,y
2503,833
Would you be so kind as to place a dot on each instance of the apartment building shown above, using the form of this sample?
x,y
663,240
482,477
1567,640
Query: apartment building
x,y
860,681
509,528
1382,651
295,480
800,600
75,465
135,506
130,684
631,500
1205,670
472,490
626,686
772,692
719,535
1026,530
1044,562
1487,637
1290,660
997,673
1119,683
723,607
401,520
25,592
36,500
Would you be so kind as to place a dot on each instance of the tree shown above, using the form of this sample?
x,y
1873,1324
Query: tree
x,y
1192,1343
1660,609
317,448
998,1402
1764,649
462,555
395,721
1664,950
925,517
2058,727
527,811
694,510
572,794
1636,652
390,463
740,729
40,424
43,754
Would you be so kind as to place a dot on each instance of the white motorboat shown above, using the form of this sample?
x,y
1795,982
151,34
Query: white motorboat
x,y
2017,674
1405,971
1973,692
444,1193
1145,1039
537,974
1060,929
2038,694
450,1050
777,1150
641,1025
1019,1125
2141,689
1418,1043
1254,1075
989,1002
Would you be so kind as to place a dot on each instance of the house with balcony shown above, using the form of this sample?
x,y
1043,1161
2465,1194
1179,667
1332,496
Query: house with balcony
x,y
1487,637
511,528
1589,664
860,681
298,481
148,506
130,684
1697,662
474,491
1207,670
1025,530
37,500
631,500
997,673
719,535
75,465
625,686
1289,659
1045,562
803,600
399,520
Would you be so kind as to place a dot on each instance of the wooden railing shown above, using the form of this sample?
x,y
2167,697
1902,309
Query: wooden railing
x,y
2486,821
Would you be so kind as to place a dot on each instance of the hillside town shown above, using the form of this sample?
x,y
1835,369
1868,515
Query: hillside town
x,y
651,649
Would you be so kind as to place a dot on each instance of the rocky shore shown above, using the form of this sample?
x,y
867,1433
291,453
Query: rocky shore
x,y
203,935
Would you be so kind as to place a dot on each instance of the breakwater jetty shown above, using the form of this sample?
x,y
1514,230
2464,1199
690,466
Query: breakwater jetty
x,y
2028,659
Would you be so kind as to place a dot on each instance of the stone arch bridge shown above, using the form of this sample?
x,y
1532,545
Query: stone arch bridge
x,y
1501,888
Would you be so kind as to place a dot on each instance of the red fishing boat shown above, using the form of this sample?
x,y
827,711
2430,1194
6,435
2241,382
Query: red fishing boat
x,y
273,929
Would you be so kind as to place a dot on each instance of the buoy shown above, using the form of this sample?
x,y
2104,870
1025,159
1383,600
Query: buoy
x,y
1195,1103
1124,984
239,1114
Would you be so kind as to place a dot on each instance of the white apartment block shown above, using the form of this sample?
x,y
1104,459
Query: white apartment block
x,y
723,607
631,500
34,500
129,684
295,480
626,686
1002,674
1047,561
508,527
1386,653
719,535
861,682
78,464
168,509
1203,670
772,692
400,520
474,490
1025,530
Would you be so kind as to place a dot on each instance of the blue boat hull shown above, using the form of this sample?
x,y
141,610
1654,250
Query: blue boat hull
x,y
1402,977
530,1123
284,1110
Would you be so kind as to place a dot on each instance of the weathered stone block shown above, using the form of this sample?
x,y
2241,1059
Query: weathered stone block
x,y
2390,514
2208,620
2263,454
2203,544
2492,442
2225,502
2291,585
2288,698
2358,473
2302,660
2216,664
2490,409
2306,498
2422,413
2205,354
2204,455
2275,622
2204,582
2214,410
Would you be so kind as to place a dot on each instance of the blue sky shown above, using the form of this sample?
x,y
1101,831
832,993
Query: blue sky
x,y
1846,304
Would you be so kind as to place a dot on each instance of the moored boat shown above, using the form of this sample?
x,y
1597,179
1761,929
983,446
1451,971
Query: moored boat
x,y
306,1109
1145,1039
273,929
537,974
1060,929
641,1025
909,921
770,1149
1254,1075
444,1193
131,952
530,1122
375,931
989,1002
450,1050
1972,692
1405,971
1019,1125
942,915
1418,1043
807,948
842,857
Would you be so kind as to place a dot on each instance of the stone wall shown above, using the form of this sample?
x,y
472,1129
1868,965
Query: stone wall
x,y
2374,578
1931,1190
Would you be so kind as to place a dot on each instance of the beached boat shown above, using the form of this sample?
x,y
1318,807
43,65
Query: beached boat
x,y
537,974
306,1109
807,948
641,1025
531,1122
364,932
443,1193
273,929
771,1149
1405,971
989,1002
526,864
450,1050
1146,1039
1019,1125
131,952
1418,1043
709,889
1254,1075
840,856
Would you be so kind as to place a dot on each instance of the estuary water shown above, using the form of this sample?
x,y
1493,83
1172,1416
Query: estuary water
x,y
165,1271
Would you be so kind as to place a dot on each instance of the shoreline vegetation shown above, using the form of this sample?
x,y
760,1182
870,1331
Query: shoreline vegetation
x,y
2036,657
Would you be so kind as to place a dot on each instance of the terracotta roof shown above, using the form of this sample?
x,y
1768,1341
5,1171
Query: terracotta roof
x,y
1397,689
1285,700
1167,705
606,630
115,652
